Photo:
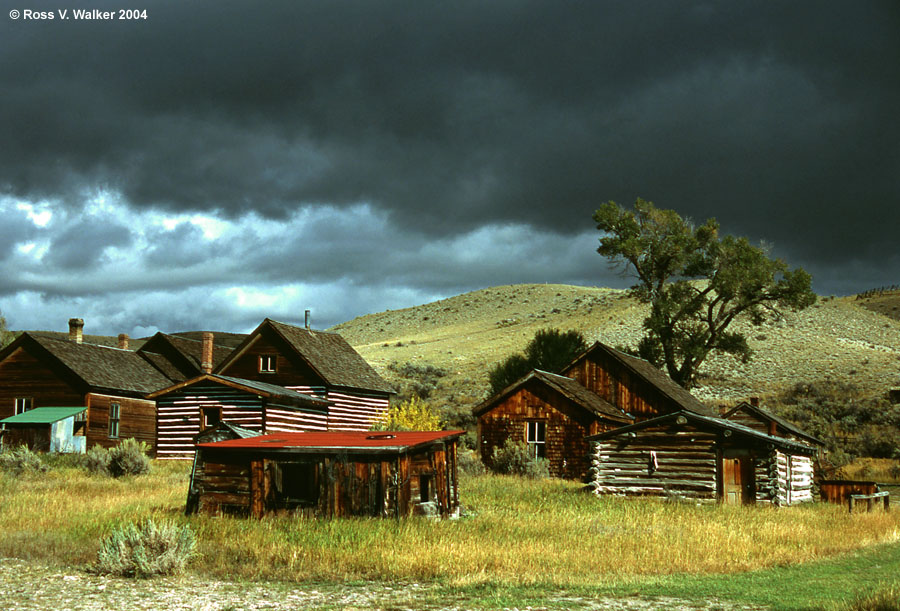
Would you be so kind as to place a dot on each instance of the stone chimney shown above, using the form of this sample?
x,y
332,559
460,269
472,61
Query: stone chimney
x,y
76,330
206,353
123,341
306,319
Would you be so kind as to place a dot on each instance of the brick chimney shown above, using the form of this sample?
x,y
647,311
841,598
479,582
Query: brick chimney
x,y
76,330
754,401
206,353
123,341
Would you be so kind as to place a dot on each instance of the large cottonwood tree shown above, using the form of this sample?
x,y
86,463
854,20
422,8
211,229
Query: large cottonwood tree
x,y
697,283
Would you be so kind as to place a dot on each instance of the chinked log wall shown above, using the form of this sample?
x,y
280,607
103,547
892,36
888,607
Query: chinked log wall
x,y
795,478
685,460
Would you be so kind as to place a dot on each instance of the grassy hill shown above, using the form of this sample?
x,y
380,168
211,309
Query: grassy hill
x,y
464,336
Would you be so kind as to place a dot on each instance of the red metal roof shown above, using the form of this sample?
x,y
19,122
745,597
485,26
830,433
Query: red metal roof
x,y
340,440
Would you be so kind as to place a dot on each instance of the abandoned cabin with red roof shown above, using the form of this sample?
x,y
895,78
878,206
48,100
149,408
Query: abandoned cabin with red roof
x,y
328,474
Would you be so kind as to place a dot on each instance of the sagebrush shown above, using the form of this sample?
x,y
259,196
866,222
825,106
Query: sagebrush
x,y
146,550
20,459
514,458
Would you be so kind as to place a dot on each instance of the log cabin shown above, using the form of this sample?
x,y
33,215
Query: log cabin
x,y
550,413
328,474
689,455
312,362
110,383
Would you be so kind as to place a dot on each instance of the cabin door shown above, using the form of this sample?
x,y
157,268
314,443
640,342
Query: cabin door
x,y
738,485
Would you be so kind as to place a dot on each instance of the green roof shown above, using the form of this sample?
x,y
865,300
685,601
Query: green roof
x,y
43,415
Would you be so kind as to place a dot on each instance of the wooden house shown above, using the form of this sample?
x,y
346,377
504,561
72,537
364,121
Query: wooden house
x,y
186,409
631,384
317,363
328,474
552,414
46,429
685,454
109,383
750,414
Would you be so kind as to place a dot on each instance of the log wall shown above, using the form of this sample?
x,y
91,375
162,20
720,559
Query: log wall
x,y
795,478
686,465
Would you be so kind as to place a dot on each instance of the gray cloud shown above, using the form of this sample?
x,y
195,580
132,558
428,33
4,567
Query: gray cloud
x,y
411,134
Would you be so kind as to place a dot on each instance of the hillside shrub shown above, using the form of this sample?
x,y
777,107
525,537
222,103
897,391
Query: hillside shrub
x,y
417,379
851,423
410,415
146,550
20,460
514,459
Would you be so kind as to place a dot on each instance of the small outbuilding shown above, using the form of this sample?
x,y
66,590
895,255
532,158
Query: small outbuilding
x,y
685,454
329,474
46,429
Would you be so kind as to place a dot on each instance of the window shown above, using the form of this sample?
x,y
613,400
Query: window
x,y
267,363
425,488
23,404
210,416
536,437
114,413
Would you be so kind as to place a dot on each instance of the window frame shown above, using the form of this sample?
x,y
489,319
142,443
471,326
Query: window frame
x,y
268,363
536,438
113,419
23,404
204,411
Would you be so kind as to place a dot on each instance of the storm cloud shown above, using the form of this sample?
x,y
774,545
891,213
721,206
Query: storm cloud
x,y
348,155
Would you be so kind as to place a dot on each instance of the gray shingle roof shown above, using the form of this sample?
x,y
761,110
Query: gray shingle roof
x,y
567,387
332,357
103,367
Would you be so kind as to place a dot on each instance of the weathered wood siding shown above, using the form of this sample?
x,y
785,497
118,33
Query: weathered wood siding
x,y
618,385
752,422
25,376
137,419
566,429
685,464
179,415
839,491
289,371
357,485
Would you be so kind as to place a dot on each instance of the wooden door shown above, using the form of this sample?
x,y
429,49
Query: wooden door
x,y
738,486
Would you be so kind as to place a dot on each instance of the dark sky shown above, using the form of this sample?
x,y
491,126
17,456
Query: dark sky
x,y
219,162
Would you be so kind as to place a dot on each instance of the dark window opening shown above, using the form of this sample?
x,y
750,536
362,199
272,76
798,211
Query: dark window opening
x,y
297,484
424,488
267,363
536,438
23,404
211,416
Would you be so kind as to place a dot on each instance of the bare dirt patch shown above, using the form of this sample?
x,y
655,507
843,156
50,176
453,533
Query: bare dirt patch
x,y
25,586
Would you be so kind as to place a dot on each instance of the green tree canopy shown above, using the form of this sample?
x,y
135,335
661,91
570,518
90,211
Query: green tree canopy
x,y
6,336
550,350
697,283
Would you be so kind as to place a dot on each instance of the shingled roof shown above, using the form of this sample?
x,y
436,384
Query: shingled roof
x,y
658,379
272,391
188,349
327,353
567,387
101,368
